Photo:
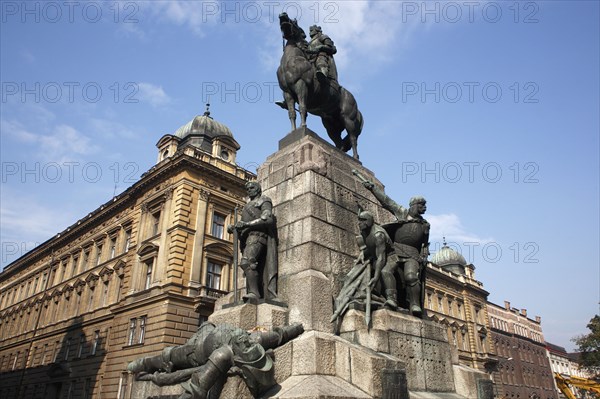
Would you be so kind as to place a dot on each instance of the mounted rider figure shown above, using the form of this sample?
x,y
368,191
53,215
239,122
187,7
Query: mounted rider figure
x,y
321,50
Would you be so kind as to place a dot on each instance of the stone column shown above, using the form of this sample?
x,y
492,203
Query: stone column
x,y
201,217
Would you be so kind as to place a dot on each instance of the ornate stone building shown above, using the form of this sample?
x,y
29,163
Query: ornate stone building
x,y
131,277
523,369
456,299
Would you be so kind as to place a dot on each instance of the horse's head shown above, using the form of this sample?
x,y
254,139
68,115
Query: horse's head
x,y
290,29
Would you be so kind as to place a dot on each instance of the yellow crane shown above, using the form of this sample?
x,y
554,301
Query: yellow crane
x,y
564,382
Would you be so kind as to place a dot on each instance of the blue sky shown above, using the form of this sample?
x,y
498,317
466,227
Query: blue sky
x,y
488,109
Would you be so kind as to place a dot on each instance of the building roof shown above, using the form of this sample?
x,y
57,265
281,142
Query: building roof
x,y
447,256
556,348
203,125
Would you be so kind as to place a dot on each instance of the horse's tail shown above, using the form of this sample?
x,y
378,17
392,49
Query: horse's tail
x,y
361,121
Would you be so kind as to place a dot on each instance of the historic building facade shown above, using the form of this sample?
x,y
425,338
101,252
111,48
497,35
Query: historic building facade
x,y
567,364
130,278
523,370
456,299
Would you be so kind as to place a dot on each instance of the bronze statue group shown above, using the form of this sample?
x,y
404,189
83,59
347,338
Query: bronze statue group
x,y
388,273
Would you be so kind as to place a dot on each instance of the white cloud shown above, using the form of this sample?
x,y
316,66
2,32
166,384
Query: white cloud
x,y
110,129
362,30
16,130
447,228
63,143
155,95
26,222
192,14
450,227
369,31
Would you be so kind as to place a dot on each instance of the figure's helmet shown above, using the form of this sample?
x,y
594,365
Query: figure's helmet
x,y
417,200
315,28
366,217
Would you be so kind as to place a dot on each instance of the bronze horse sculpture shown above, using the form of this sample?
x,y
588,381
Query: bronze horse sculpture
x,y
325,98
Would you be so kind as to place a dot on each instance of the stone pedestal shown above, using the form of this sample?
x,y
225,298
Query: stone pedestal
x,y
420,344
248,316
315,201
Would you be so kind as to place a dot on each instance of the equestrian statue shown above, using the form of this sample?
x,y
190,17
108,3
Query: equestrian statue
x,y
308,77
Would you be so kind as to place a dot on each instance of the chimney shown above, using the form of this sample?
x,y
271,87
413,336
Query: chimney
x,y
506,305
538,319
524,312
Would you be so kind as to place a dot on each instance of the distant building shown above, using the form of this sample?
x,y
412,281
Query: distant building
x,y
523,369
130,278
454,298
567,364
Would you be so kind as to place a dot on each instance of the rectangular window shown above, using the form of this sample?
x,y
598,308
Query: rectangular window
x,y
155,222
127,241
35,285
78,303
51,277
44,354
123,384
218,225
75,262
33,355
91,299
104,293
137,330
213,275
56,351
98,254
95,343
80,347
63,272
132,328
113,247
85,259
67,349
14,365
142,335
119,289
148,274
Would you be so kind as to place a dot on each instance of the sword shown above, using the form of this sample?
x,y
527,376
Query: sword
x,y
368,299
360,177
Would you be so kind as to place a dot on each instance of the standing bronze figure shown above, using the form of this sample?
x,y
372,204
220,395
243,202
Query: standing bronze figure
x,y
410,234
362,285
308,77
257,234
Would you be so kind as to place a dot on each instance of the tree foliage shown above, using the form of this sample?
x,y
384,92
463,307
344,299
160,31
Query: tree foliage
x,y
589,346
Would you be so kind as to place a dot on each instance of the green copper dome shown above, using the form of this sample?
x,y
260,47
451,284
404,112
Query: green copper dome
x,y
449,259
201,131
203,125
